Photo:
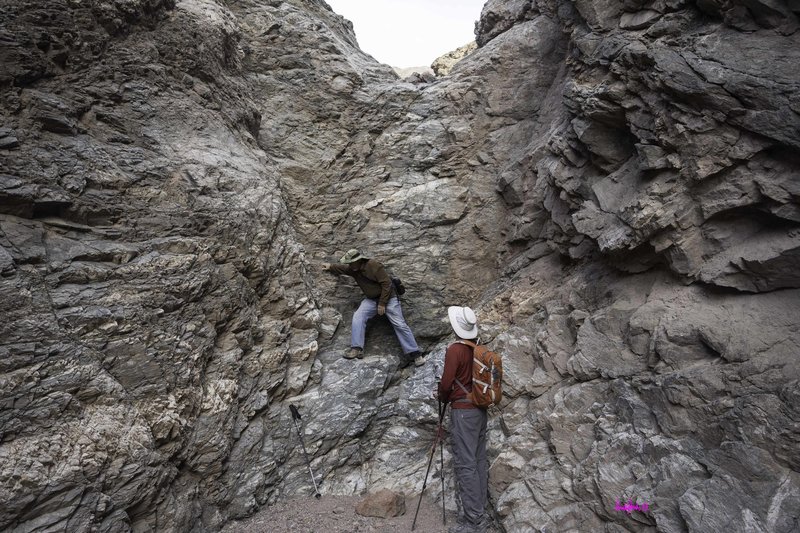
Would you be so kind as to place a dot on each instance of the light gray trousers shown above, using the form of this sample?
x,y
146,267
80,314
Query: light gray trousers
x,y
468,436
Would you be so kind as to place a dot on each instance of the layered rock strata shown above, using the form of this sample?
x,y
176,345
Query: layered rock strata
x,y
613,186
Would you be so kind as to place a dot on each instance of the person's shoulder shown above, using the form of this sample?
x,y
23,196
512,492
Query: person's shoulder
x,y
457,346
374,266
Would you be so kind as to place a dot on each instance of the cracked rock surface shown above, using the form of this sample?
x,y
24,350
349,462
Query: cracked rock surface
x,y
613,186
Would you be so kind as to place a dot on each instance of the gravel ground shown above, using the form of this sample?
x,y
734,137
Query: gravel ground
x,y
336,514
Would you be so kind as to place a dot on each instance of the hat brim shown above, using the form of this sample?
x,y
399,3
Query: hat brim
x,y
353,260
452,314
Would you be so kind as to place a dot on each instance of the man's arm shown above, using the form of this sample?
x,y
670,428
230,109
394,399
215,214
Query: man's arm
x,y
448,375
335,268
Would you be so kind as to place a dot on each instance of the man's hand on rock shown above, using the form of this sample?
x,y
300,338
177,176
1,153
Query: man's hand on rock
x,y
381,310
325,266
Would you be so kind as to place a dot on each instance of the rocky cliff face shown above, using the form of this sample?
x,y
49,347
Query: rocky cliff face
x,y
612,185
444,64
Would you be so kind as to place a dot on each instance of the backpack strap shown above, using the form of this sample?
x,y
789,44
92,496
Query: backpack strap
x,y
462,400
474,346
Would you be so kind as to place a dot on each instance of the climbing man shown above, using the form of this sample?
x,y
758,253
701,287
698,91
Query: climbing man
x,y
467,424
380,298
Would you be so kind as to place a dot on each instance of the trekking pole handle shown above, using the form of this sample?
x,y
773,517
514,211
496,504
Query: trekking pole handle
x,y
295,412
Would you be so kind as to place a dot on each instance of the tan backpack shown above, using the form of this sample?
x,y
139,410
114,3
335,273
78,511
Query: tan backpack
x,y
487,376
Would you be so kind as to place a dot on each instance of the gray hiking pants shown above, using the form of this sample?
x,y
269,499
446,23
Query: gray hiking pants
x,y
468,436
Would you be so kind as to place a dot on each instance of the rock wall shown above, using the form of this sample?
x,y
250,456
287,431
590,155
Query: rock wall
x,y
154,291
444,64
612,185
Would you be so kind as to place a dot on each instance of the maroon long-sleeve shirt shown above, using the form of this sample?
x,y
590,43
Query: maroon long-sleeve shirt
x,y
457,365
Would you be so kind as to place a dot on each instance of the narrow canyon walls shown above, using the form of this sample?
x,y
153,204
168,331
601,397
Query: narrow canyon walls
x,y
613,186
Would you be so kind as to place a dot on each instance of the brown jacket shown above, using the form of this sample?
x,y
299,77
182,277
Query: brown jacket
x,y
373,280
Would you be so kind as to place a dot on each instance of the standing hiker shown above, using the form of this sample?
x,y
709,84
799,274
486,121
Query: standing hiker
x,y
380,298
468,424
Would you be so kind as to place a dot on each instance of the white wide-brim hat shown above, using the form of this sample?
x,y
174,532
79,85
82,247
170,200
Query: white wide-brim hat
x,y
464,322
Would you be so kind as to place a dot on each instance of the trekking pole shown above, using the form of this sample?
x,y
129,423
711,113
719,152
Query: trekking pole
x,y
296,417
442,408
430,461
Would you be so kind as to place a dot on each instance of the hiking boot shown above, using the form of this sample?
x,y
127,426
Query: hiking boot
x,y
465,526
420,360
462,527
408,358
354,352
484,525
413,356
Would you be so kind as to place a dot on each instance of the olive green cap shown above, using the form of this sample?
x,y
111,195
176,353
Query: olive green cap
x,y
351,256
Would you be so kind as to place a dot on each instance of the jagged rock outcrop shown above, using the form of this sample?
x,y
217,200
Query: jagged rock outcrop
x,y
445,63
413,71
612,185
